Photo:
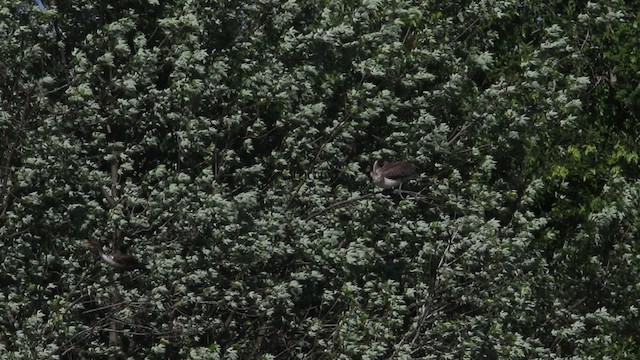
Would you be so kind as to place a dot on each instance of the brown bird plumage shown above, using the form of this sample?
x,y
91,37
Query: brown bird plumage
x,y
117,259
392,173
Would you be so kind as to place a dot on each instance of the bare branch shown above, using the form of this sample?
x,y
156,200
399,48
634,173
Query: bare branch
x,y
338,205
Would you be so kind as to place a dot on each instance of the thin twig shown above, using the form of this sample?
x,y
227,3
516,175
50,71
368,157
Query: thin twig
x,y
329,138
338,204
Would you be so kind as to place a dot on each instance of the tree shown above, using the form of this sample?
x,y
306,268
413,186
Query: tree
x,y
228,145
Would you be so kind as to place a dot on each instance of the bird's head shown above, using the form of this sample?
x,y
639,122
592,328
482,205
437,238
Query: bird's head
x,y
376,169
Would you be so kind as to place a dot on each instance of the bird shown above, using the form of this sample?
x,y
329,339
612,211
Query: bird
x,y
392,174
117,259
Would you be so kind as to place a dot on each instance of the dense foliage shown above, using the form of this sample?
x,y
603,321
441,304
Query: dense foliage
x,y
227,144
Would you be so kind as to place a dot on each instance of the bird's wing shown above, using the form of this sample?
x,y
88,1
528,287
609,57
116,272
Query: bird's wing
x,y
398,170
127,261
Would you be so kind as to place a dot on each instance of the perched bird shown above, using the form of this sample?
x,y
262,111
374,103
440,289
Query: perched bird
x,y
117,259
392,174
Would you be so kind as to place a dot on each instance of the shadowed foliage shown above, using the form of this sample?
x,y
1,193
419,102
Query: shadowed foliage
x,y
229,145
